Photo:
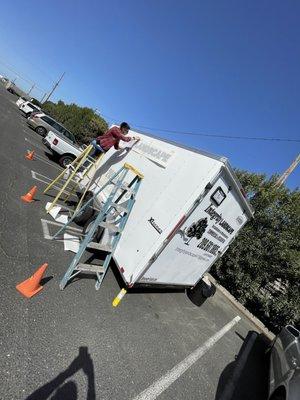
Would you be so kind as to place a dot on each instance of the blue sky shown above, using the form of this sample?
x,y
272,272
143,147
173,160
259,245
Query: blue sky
x,y
224,67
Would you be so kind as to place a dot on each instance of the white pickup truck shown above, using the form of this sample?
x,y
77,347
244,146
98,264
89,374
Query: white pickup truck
x,y
62,147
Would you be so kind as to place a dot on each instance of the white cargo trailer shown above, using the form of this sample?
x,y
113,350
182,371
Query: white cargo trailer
x,y
189,208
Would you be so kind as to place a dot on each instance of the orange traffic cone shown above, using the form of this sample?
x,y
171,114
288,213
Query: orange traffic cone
x,y
30,155
31,286
28,197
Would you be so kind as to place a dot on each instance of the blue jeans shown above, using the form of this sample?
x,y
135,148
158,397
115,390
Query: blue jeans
x,y
97,149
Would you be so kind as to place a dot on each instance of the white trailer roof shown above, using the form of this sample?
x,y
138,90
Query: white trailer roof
x,y
235,181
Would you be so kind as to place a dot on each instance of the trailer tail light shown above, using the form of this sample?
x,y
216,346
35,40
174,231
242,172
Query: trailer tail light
x,y
172,233
122,270
55,141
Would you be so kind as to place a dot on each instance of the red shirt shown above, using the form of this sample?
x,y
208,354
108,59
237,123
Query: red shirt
x,y
112,138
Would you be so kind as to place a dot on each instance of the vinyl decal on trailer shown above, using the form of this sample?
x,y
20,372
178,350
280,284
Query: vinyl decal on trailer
x,y
197,230
154,153
218,218
200,240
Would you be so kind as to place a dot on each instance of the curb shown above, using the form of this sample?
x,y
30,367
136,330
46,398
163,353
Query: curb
x,y
259,325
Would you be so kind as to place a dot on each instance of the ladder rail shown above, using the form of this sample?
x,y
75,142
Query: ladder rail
x,y
89,183
63,172
89,235
93,163
87,204
118,211
80,159
117,236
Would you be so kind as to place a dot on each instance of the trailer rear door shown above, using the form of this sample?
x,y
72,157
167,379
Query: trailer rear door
x,y
204,236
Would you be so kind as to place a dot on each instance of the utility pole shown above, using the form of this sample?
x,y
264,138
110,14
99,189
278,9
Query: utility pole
x,y
41,101
30,90
290,169
54,87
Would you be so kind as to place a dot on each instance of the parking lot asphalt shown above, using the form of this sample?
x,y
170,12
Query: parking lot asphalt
x,y
73,344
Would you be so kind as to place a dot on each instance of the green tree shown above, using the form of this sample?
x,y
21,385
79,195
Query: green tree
x,y
262,267
81,121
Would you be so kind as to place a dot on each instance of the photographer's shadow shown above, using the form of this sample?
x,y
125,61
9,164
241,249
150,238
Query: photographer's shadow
x,y
58,389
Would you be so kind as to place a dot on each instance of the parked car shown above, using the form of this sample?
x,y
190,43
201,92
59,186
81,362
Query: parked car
x,y
62,145
10,88
27,108
42,124
20,101
284,378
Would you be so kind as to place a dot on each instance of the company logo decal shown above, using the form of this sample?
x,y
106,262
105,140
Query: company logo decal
x,y
218,218
162,157
196,230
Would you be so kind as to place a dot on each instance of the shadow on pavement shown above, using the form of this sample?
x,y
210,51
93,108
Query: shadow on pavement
x,y
58,389
246,378
142,288
51,157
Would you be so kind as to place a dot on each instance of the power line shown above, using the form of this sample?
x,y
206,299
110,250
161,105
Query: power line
x,y
169,131
8,67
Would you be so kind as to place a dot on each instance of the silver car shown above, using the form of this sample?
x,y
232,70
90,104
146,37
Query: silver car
x,y
284,379
42,124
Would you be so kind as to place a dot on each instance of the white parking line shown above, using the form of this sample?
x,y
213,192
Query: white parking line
x,y
40,158
45,161
46,231
42,178
33,143
153,391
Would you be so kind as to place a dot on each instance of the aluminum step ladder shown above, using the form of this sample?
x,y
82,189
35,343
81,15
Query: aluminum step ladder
x,y
112,209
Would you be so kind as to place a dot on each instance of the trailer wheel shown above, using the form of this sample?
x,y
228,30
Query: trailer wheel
x,y
200,293
208,291
99,232
83,216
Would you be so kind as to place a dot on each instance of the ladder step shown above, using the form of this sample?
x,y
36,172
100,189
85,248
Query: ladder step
x,y
119,208
90,268
123,186
99,246
110,226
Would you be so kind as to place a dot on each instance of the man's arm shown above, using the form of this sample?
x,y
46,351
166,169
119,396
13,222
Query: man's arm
x,y
118,135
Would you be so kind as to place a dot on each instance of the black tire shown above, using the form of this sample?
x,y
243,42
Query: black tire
x,y
200,293
87,213
208,291
279,395
65,160
99,232
41,131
